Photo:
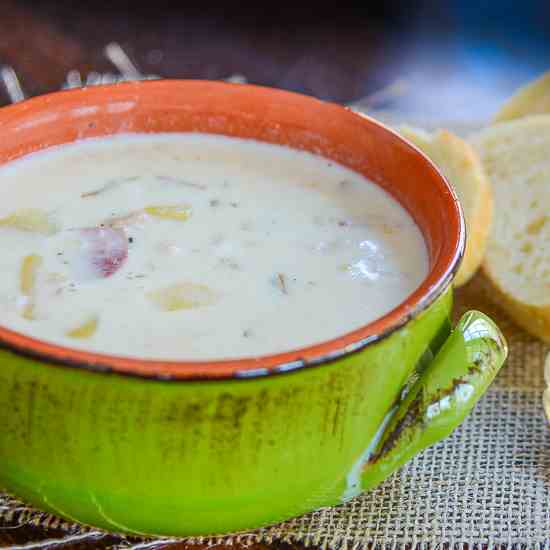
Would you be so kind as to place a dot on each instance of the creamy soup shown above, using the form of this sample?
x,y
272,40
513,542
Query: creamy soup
x,y
190,246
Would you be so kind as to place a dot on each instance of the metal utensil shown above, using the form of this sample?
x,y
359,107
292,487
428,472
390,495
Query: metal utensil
x,y
127,70
11,84
114,52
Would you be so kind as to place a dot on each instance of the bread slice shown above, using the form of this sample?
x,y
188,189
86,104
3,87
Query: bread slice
x,y
516,156
534,98
462,167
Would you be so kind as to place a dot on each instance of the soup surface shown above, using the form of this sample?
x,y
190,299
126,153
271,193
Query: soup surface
x,y
190,246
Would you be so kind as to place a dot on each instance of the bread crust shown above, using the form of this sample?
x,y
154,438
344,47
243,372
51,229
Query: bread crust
x,y
532,318
461,165
534,98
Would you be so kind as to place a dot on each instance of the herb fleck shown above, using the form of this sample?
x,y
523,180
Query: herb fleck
x,y
132,276
180,181
216,239
230,263
107,187
280,282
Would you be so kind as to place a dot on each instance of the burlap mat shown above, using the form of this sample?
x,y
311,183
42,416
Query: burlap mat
x,y
486,485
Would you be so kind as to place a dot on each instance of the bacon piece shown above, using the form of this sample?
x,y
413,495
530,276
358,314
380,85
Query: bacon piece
x,y
104,249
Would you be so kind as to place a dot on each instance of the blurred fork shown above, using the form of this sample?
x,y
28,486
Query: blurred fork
x,y
126,68
119,58
11,84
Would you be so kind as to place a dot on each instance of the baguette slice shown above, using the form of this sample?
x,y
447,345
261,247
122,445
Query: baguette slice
x,y
462,167
516,156
534,98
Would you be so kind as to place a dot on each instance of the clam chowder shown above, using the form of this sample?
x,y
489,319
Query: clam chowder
x,y
192,246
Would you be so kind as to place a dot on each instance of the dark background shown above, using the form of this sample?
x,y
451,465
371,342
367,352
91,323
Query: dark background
x,y
456,58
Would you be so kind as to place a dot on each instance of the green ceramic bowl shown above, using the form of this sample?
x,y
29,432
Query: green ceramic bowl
x,y
200,448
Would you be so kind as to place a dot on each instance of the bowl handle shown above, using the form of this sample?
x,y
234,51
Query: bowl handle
x,y
434,404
